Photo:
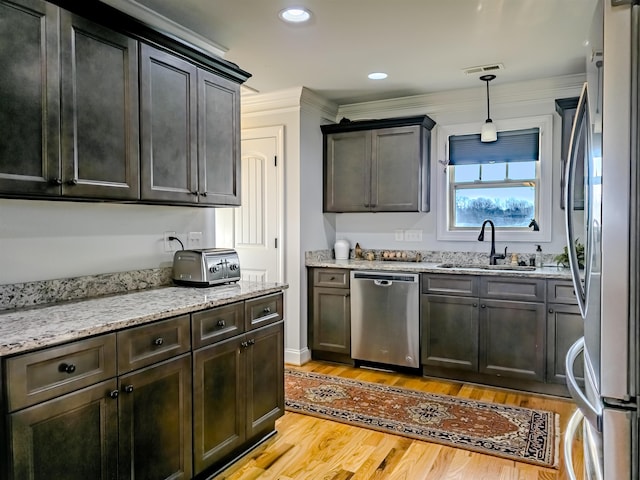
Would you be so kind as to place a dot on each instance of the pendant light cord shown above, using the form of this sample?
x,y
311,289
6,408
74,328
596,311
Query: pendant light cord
x,y
488,114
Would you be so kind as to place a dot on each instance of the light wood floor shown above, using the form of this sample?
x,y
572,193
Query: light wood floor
x,y
309,448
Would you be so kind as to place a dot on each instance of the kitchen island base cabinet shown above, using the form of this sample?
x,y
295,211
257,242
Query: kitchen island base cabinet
x,y
74,436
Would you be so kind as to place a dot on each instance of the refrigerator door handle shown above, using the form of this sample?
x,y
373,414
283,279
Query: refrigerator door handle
x,y
592,413
569,437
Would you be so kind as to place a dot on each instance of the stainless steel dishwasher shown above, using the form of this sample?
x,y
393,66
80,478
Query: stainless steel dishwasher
x,y
385,318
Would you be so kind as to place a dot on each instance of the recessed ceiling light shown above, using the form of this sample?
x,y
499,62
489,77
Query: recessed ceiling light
x,y
377,76
295,14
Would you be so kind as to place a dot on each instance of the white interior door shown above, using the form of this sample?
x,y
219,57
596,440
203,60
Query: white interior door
x,y
257,224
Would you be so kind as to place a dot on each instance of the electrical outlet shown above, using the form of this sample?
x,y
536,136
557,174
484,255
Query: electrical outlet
x,y
413,235
169,245
399,235
194,240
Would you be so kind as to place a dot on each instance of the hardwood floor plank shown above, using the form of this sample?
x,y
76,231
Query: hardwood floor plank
x,y
309,448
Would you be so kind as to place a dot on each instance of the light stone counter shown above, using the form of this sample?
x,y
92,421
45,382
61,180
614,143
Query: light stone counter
x,y
550,272
28,329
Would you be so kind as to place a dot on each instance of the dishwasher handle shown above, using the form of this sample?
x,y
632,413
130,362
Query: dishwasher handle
x,y
385,279
383,283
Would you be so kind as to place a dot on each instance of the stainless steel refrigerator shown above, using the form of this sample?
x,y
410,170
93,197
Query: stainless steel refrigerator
x,y
603,161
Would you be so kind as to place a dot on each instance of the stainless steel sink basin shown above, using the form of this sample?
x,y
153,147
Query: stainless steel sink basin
x,y
484,266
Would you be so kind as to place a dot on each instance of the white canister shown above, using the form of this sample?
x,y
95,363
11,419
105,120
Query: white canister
x,y
341,249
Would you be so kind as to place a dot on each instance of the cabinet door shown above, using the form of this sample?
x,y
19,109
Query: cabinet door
x,y
73,437
331,320
265,378
512,339
168,121
218,140
564,326
99,111
155,422
450,332
219,399
395,173
29,98
347,172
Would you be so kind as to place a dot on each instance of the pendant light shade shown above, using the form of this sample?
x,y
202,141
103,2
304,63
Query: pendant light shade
x,y
488,132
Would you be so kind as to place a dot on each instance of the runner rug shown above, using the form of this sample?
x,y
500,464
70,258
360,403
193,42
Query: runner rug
x,y
516,433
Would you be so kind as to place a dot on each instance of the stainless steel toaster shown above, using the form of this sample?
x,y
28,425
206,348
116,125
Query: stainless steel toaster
x,y
206,267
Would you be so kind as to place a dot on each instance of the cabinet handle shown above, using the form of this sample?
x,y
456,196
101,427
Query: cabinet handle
x,y
73,181
114,394
347,295
483,306
475,304
221,323
204,194
551,310
266,310
332,278
194,193
55,181
244,344
158,341
67,367
252,341
128,388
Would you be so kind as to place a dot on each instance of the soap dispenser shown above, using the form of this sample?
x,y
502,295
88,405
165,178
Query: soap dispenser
x,y
538,256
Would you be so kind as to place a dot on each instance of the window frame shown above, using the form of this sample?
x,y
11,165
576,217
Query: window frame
x,y
544,193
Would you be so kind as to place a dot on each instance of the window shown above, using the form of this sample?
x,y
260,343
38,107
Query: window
x,y
508,181
497,181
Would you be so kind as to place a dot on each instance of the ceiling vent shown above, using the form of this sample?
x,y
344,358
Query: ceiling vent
x,y
483,69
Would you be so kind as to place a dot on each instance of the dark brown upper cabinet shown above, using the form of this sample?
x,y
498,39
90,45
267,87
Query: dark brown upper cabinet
x,y
377,166
71,96
190,132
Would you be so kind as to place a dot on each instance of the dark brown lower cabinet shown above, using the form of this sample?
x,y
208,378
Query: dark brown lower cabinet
x,y
74,436
512,339
238,394
155,422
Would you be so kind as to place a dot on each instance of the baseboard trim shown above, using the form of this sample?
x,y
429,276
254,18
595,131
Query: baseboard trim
x,y
297,357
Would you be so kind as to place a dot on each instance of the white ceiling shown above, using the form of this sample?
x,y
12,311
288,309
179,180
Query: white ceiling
x,y
422,44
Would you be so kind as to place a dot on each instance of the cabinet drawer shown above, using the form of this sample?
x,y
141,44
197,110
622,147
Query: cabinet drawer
x,y
217,324
147,344
465,285
38,376
510,288
330,277
262,311
561,291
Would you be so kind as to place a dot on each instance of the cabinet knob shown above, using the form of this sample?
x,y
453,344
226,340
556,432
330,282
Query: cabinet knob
x,y
221,323
475,304
73,181
67,367
158,341
128,388
55,181
551,310
483,305
332,278
244,344
194,193
266,310
252,341
204,194
114,394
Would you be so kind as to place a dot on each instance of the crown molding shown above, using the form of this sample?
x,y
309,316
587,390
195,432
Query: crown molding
x,y
286,100
519,93
165,25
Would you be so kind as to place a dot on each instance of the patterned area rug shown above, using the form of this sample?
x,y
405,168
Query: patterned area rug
x,y
516,433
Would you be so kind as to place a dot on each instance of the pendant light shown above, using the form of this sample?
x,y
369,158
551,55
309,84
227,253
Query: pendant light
x,y
488,132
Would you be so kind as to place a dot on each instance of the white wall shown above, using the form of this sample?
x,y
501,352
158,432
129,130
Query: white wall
x,y
43,240
301,113
532,98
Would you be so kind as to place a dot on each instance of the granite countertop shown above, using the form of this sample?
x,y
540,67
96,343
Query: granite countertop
x,y
426,267
31,328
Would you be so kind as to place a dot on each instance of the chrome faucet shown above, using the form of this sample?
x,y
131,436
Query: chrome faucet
x,y
492,256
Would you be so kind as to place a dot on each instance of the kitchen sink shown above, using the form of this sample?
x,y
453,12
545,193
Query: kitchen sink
x,y
484,266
